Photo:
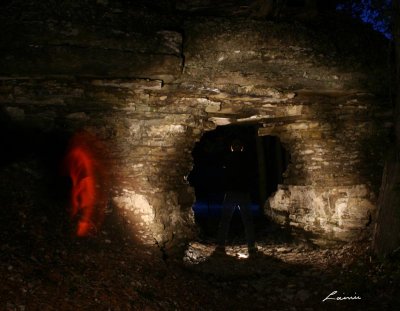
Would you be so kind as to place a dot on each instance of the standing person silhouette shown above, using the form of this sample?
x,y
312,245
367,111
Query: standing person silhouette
x,y
237,194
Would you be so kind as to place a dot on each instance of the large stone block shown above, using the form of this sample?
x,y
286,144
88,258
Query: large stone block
x,y
331,213
81,61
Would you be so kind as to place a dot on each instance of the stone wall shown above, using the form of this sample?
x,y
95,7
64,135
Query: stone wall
x,y
148,83
336,143
328,213
149,135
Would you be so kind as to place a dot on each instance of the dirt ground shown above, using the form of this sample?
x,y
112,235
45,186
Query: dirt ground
x,y
105,273
42,267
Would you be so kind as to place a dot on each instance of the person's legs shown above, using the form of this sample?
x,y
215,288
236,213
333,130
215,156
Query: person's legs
x,y
228,208
247,218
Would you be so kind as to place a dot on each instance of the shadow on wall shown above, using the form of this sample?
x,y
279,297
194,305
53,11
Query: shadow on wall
x,y
35,197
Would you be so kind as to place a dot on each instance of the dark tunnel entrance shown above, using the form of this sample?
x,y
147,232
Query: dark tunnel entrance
x,y
268,160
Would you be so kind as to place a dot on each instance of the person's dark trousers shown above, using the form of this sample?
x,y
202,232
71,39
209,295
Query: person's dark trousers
x,y
232,200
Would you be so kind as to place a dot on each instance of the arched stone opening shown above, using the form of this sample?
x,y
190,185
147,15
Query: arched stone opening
x,y
268,161
150,107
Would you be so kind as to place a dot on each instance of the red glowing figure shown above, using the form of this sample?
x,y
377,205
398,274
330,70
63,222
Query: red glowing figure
x,y
82,164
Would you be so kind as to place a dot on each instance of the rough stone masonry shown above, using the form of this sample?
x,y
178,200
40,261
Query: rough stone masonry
x,y
149,80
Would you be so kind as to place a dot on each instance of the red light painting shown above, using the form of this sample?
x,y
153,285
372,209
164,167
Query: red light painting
x,y
83,165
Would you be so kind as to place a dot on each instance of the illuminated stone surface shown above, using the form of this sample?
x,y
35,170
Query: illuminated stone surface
x,y
149,94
